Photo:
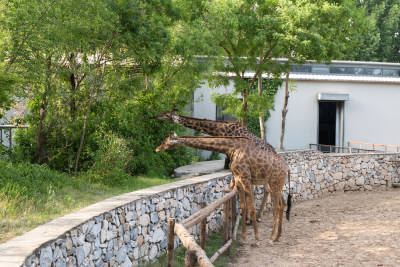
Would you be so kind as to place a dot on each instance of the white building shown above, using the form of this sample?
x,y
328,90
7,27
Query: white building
x,y
333,105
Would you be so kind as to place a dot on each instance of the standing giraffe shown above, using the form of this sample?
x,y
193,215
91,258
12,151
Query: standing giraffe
x,y
219,128
249,165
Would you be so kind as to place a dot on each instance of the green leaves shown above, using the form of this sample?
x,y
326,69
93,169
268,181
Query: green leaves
x,y
249,35
98,56
380,40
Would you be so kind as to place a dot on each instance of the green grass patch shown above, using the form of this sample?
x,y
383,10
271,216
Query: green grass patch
x,y
31,195
213,243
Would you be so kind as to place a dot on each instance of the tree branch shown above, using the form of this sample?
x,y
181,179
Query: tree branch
x,y
108,45
27,35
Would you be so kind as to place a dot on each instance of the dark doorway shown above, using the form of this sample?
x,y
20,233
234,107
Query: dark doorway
x,y
327,123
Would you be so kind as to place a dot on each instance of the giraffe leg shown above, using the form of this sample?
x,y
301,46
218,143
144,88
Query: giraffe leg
x,y
232,185
248,212
243,208
249,197
281,208
276,211
263,203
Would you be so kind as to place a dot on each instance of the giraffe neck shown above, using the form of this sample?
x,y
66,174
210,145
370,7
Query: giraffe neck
x,y
225,145
221,128
214,128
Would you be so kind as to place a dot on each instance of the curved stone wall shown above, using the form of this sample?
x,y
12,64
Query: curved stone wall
x,y
120,231
127,229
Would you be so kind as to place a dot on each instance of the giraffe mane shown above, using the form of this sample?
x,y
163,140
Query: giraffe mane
x,y
227,122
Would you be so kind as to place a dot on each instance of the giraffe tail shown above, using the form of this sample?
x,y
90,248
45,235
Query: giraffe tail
x,y
289,200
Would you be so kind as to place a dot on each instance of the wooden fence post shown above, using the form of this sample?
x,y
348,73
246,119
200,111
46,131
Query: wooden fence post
x,y
225,218
190,258
230,221
203,224
226,223
170,242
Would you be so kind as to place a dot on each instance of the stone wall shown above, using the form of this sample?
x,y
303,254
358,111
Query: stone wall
x,y
123,236
128,229
315,174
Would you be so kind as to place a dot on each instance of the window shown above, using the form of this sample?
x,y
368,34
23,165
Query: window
x,y
322,70
373,71
354,70
301,68
339,70
220,116
389,72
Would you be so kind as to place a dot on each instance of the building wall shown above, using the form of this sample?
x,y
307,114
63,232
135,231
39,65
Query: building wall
x,y
370,115
204,108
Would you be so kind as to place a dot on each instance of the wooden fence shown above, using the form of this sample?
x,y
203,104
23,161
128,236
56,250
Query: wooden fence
x,y
339,149
196,253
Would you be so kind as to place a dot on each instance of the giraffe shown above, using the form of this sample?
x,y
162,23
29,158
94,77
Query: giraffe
x,y
220,128
249,165
214,128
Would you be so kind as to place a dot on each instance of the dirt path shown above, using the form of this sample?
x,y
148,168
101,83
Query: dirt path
x,y
351,229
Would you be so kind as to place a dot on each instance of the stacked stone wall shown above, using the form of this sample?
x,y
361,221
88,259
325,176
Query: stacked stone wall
x,y
315,174
133,233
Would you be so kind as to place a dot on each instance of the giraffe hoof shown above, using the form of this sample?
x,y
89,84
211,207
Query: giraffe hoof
x,y
258,220
240,244
254,245
249,223
269,245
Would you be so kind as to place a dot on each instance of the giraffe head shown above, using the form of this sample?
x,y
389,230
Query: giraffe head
x,y
169,143
168,116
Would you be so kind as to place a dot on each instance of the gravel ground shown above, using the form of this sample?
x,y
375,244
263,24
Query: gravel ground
x,y
348,229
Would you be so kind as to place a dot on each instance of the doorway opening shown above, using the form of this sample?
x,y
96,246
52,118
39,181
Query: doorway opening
x,y
330,124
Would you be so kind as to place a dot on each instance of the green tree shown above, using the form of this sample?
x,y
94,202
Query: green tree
x,y
85,69
381,42
248,35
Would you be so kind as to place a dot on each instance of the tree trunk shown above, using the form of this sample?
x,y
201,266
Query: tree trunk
x,y
42,131
90,100
84,128
42,135
244,108
284,111
73,83
262,125
72,104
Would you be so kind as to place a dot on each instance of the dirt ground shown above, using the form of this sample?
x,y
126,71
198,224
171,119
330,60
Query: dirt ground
x,y
350,229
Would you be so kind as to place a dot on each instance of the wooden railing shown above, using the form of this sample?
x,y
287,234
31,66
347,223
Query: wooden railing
x,y
195,252
338,149
374,146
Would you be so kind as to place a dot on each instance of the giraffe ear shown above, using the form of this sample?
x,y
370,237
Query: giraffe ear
x,y
175,135
171,133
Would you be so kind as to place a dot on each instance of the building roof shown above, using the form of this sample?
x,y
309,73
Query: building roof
x,y
342,78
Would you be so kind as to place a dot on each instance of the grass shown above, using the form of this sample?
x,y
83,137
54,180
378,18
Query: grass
x,y
213,243
31,195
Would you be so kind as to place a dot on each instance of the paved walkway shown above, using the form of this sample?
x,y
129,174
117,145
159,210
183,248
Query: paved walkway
x,y
199,168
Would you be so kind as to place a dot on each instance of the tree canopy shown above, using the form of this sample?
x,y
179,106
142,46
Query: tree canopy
x,y
93,74
247,36
382,41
